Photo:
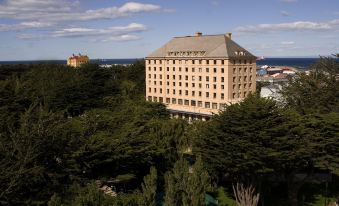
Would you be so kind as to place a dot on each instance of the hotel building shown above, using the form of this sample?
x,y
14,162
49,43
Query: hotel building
x,y
196,76
76,61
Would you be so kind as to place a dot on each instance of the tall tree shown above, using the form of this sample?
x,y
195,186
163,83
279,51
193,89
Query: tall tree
x,y
316,91
149,189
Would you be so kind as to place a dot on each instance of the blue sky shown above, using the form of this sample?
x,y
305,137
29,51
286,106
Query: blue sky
x,y
54,29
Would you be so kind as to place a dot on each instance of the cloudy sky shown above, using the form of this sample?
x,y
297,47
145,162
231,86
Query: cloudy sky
x,y
54,29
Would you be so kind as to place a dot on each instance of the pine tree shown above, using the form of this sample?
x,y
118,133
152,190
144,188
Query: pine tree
x,y
149,189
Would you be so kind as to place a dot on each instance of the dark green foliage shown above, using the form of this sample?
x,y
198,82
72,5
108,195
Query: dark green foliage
x,y
149,189
239,140
317,91
186,185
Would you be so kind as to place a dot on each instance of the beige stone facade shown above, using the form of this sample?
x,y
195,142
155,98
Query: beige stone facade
x,y
195,76
76,61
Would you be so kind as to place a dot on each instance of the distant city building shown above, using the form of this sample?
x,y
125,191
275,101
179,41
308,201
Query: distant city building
x,y
76,61
196,76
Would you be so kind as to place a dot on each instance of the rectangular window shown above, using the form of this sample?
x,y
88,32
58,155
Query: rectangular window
x,y
200,61
180,92
199,94
155,69
193,103
168,69
149,68
149,98
160,76
222,79
222,70
167,76
186,84
200,85
160,91
207,86
167,83
234,70
222,62
173,61
207,105
193,84
207,62
193,70
215,61
193,93
214,106
233,79
179,69
207,94
161,99
155,82
173,91
207,70
187,102
155,76
193,78
186,69
193,61
214,95
149,76
222,86
155,61
174,84
186,77
186,92
160,61
207,79
167,91
149,89
199,103
155,99
214,79
180,84
222,96
200,78
174,100
155,90
179,77
180,101
173,76
174,69
215,70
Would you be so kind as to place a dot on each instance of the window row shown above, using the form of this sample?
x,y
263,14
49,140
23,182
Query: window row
x,y
193,103
181,84
198,61
188,93
180,69
200,78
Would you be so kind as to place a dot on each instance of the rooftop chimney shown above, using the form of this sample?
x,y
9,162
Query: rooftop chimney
x,y
229,35
198,33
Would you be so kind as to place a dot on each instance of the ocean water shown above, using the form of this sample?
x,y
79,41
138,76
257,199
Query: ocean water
x,y
301,63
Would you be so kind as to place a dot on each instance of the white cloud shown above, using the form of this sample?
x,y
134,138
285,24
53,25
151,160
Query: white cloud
x,y
287,42
284,13
24,26
291,26
124,37
62,10
116,33
82,32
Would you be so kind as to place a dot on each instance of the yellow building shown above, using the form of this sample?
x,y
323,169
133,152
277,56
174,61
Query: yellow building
x,y
196,76
76,61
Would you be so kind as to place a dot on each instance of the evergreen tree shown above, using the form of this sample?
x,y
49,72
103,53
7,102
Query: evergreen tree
x,y
149,189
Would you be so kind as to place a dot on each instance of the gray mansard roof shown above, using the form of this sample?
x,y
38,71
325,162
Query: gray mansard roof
x,y
201,46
